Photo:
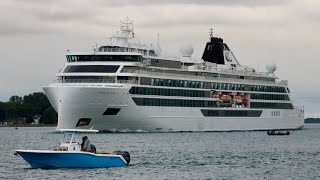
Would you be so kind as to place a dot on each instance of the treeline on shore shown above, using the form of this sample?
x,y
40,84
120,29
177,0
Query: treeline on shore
x,y
312,120
28,109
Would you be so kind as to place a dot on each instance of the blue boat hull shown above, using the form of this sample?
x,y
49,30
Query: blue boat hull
x,y
53,159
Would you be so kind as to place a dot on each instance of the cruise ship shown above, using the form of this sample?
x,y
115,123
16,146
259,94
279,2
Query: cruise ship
x,y
125,85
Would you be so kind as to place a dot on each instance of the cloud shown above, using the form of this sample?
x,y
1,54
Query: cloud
x,y
250,3
25,17
49,16
113,3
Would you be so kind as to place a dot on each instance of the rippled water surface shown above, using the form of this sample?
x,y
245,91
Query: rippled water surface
x,y
194,155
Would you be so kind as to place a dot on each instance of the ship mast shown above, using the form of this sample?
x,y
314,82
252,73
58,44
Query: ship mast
x,y
211,32
121,39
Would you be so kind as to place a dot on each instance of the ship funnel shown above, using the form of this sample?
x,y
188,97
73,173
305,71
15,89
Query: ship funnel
x,y
213,51
218,52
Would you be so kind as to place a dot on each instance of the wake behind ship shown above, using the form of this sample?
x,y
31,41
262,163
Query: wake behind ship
x,y
125,85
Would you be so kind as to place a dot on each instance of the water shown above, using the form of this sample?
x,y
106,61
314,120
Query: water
x,y
210,155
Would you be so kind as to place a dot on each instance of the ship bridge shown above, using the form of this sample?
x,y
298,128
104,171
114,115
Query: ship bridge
x,y
105,56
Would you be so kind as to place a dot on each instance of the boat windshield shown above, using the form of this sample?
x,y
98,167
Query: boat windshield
x,y
82,58
69,137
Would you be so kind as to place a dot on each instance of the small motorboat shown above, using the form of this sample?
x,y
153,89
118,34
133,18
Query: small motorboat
x,y
278,133
69,155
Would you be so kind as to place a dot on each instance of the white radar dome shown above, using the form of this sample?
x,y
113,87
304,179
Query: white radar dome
x,y
271,68
186,51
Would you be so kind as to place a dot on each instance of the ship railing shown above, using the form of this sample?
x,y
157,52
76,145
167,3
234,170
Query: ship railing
x,y
242,72
230,70
199,77
138,49
96,81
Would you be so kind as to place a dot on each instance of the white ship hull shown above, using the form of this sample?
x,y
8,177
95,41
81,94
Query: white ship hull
x,y
73,102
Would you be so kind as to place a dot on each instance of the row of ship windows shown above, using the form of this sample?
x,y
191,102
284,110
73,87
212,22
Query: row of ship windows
x,y
268,89
271,105
79,58
215,85
270,97
232,113
202,103
168,92
91,69
195,93
173,102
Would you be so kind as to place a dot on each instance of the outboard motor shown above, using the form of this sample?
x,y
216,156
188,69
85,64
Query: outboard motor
x,y
124,154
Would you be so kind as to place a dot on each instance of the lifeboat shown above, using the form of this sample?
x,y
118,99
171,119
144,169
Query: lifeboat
x,y
226,98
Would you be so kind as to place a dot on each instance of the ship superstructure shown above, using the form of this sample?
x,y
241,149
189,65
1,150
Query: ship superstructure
x,y
125,85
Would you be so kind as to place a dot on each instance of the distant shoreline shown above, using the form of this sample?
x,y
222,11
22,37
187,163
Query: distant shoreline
x,y
312,120
28,125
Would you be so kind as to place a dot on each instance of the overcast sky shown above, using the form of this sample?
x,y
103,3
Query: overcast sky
x,y
34,36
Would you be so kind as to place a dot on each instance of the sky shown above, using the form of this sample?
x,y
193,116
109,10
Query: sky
x,y
34,36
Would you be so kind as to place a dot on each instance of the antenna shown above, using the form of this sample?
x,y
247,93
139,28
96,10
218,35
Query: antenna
x,y
211,32
95,47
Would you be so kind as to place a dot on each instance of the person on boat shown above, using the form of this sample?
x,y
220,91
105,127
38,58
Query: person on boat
x,y
87,146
